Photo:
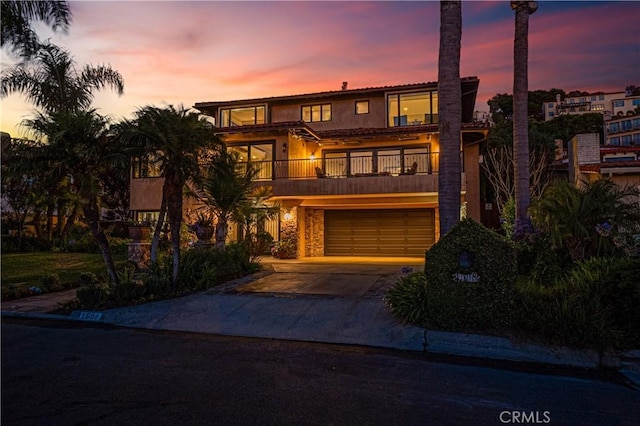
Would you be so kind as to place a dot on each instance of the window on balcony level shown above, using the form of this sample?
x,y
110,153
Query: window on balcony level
x,y
411,109
260,154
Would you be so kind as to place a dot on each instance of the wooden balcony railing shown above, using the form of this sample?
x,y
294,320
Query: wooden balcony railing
x,y
342,167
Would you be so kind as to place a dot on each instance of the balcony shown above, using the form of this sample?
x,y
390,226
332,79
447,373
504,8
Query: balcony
x,y
355,175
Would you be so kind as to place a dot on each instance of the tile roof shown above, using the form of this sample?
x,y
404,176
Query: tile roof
x,y
329,93
601,167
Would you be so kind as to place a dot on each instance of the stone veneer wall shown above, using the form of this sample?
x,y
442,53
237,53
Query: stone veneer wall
x,y
318,233
314,232
289,228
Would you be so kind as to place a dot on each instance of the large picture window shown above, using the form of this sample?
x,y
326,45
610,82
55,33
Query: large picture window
x,y
381,161
242,116
412,109
260,154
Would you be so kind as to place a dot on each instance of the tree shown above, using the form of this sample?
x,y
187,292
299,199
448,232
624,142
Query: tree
x,y
450,110
80,147
19,187
176,140
251,216
225,188
520,97
16,18
52,83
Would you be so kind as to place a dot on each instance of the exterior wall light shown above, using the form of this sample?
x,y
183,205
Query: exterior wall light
x,y
288,216
284,147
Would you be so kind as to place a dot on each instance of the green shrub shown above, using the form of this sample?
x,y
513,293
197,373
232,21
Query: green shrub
x,y
408,298
94,296
158,280
201,268
51,282
471,273
596,305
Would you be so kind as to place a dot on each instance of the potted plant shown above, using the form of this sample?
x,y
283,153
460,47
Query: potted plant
x,y
203,227
285,249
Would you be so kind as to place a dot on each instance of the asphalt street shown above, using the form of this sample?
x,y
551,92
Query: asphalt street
x,y
79,374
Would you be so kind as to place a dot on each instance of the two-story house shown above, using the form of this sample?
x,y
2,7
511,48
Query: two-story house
x,y
355,170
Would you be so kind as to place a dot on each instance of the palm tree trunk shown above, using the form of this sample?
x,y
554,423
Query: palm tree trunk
x,y
70,221
172,193
450,110
49,229
520,101
221,230
92,214
155,241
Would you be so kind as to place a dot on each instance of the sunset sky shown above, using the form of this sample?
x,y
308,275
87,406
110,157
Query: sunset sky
x,y
185,52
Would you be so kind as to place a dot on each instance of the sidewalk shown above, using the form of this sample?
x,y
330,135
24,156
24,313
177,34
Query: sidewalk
x,y
341,320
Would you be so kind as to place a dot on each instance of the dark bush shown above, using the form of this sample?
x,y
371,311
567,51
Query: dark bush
x,y
408,298
597,305
470,276
29,244
51,282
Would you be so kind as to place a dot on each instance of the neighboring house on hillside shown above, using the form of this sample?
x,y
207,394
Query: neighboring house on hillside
x,y
588,160
610,105
355,170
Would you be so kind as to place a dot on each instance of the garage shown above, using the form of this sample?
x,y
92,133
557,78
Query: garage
x,y
407,232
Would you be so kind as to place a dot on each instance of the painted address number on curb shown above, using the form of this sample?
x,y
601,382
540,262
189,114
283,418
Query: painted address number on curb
x,y
90,316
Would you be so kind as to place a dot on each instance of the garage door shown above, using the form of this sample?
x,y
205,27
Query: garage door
x,y
378,232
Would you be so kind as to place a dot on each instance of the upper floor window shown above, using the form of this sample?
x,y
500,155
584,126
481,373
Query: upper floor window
x,y
312,113
572,101
615,141
362,107
625,140
614,127
146,166
635,102
550,105
242,116
583,99
594,98
601,97
618,104
407,109
551,114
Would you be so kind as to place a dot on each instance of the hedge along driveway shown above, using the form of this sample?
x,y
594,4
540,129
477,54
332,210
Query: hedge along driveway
x,y
27,269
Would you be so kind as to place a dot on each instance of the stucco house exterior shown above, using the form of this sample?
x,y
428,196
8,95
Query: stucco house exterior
x,y
355,170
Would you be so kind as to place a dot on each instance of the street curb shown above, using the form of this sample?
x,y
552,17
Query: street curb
x,y
437,342
35,315
500,348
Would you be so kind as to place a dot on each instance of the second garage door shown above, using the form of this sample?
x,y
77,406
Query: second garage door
x,y
379,232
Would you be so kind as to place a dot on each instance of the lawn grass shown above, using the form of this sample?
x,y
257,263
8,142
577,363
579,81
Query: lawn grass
x,y
24,270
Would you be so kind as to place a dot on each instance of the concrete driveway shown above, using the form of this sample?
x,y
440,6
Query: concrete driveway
x,y
351,277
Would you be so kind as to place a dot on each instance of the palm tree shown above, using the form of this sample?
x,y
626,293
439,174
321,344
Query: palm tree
x,y
52,83
520,102
79,147
176,140
225,188
16,18
450,110
575,218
